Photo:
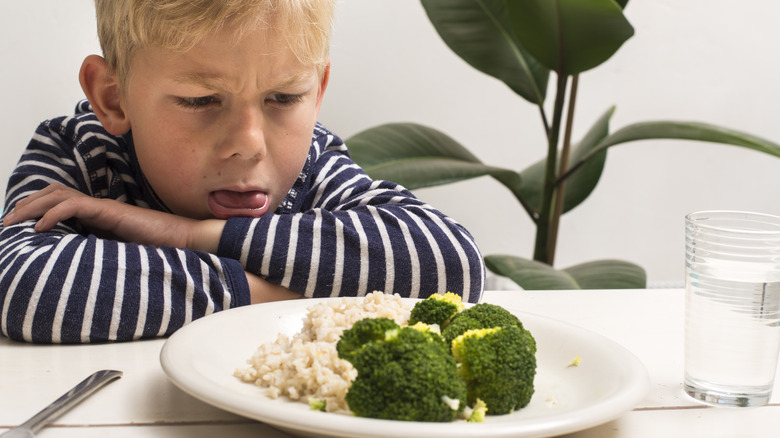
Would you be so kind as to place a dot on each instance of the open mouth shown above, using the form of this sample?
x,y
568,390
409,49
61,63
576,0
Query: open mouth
x,y
228,203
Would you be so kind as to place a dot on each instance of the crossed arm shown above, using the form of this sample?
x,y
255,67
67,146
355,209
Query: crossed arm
x,y
116,220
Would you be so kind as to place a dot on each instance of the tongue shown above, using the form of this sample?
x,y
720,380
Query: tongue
x,y
240,200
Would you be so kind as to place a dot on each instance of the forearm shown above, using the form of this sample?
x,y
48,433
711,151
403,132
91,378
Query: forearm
x,y
205,235
68,288
263,291
114,219
408,250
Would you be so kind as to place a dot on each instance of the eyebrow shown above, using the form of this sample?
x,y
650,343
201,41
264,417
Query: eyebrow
x,y
292,79
216,82
206,80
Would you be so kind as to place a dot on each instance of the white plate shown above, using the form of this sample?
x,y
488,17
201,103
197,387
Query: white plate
x,y
201,357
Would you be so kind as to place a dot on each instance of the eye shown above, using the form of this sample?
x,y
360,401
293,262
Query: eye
x,y
197,102
286,99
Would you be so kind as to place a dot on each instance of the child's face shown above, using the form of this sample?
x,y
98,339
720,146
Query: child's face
x,y
224,129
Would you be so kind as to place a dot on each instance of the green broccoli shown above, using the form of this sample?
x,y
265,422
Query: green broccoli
x,y
436,309
317,404
363,332
432,329
403,374
479,316
498,365
477,413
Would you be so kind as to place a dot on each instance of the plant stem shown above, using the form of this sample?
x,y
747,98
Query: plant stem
x,y
560,194
550,186
545,123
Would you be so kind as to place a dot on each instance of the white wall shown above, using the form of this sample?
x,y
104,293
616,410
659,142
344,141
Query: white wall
x,y
42,44
702,60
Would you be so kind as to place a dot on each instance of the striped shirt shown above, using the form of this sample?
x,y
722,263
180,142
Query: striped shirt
x,y
337,233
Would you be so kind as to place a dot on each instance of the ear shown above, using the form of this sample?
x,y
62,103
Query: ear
x,y
102,91
323,85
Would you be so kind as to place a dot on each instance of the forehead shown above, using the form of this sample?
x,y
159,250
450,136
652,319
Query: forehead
x,y
220,61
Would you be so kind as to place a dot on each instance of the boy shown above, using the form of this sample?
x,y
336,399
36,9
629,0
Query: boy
x,y
196,178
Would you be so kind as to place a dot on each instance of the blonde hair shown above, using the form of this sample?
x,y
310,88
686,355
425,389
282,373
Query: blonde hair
x,y
124,26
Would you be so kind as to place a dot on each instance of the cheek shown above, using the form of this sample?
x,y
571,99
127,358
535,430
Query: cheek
x,y
167,142
288,163
295,156
171,164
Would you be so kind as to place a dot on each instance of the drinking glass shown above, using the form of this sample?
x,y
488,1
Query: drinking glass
x,y
732,306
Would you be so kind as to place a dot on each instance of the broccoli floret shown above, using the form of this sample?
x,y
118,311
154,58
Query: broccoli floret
x,y
427,328
406,374
362,333
479,316
317,404
478,412
436,309
498,365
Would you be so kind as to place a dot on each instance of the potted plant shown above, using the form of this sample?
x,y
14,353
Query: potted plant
x,y
521,42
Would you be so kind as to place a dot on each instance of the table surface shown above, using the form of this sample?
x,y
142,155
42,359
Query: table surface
x,y
143,402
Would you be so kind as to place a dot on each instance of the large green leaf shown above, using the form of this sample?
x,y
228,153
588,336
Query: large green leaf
x,y
569,36
529,274
417,156
608,274
478,31
601,274
581,183
671,130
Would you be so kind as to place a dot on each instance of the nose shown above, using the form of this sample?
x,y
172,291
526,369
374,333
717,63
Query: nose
x,y
244,136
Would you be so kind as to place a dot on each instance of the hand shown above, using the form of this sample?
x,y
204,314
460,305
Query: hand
x,y
116,220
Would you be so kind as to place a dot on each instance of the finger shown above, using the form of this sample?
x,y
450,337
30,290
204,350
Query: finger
x,y
46,191
37,204
62,210
36,207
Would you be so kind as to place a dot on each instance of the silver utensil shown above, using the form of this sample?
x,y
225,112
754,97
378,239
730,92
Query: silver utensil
x,y
62,404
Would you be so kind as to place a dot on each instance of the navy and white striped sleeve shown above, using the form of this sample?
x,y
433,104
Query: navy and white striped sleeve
x,y
355,235
67,286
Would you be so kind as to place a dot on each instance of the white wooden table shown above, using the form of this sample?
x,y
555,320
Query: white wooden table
x,y
143,403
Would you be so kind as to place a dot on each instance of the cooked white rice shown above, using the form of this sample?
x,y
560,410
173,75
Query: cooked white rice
x,y
307,366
